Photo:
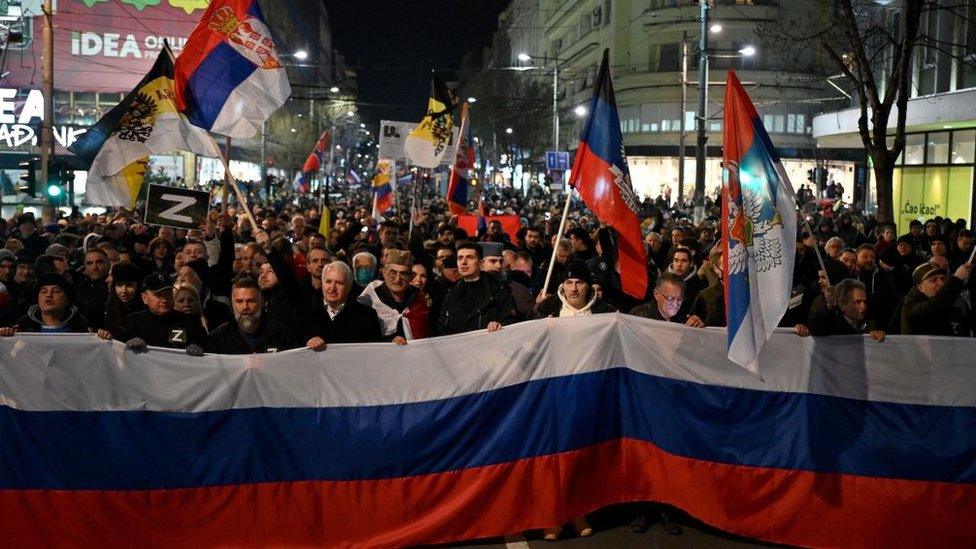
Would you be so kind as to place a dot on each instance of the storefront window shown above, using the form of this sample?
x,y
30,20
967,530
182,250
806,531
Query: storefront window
x,y
938,148
914,149
964,147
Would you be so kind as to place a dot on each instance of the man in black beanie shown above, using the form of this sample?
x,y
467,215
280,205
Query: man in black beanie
x,y
53,311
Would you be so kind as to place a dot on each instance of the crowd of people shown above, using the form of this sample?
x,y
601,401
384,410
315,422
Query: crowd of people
x,y
231,288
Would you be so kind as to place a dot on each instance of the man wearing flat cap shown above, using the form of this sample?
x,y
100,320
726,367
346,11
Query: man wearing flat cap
x,y
160,325
928,307
53,311
402,308
575,296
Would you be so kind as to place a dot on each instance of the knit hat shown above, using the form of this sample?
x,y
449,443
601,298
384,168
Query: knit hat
x,y
7,254
578,270
124,272
926,271
55,279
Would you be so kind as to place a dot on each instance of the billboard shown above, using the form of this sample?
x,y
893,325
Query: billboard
x,y
100,45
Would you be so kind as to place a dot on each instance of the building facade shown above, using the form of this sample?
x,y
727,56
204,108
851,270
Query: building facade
x,y
654,65
936,173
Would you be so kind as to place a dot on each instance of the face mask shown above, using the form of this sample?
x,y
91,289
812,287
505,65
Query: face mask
x,y
364,275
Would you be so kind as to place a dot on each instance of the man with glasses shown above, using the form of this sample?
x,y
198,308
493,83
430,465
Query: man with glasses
x,y
401,307
669,293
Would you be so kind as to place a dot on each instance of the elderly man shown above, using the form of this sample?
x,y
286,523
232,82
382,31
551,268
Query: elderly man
x,y
53,311
364,271
669,295
845,312
575,296
834,246
477,301
250,332
159,324
402,309
345,320
928,307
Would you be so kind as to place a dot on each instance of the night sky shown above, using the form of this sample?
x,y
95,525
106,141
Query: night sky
x,y
393,45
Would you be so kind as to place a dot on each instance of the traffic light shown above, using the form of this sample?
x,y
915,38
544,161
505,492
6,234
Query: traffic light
x,y
54,186
28,179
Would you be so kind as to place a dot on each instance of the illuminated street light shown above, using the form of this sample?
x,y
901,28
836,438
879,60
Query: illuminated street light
x,y
334,89
293,130
524,57
362,124
716,28
301,55
472,100
350,113
748,51
509,130
580,111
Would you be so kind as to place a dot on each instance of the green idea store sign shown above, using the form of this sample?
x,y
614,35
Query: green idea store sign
x,y
926,192
189,6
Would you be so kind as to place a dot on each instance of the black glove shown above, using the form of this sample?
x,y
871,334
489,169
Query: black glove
x,y
194,350
136,345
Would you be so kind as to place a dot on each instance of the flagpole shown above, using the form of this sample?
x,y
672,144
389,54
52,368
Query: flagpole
x,y
555,248
227,177
229,180
413,204
816,248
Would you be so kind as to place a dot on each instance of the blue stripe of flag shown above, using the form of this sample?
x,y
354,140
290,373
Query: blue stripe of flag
x,y
212,83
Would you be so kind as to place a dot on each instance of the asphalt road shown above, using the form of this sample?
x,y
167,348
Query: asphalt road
x,y
612,530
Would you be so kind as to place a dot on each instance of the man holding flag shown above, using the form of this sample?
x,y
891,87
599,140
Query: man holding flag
x,y
758,229
601,177
146,122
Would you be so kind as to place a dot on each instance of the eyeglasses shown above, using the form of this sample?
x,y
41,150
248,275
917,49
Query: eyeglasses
x,y
407,275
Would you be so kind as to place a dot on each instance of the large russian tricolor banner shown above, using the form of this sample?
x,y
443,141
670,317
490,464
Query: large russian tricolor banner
x,y
847,442
228,77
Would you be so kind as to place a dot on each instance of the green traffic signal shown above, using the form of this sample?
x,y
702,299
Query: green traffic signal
x,y
54,190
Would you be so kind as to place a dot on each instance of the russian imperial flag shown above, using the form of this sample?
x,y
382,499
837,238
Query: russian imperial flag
x,y
146,122
758,231
457,187
601,177
228,77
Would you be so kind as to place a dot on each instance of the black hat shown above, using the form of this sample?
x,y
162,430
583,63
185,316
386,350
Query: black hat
x,y
25,218
201,268
25,257
926,271
578,270
155,282
55,279
491,249
124,271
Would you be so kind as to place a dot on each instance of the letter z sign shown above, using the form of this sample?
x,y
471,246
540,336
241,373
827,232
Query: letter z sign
x,y
176,207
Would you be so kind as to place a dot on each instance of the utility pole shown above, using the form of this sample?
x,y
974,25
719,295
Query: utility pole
x,y
555,105
47,124
699,200
682,129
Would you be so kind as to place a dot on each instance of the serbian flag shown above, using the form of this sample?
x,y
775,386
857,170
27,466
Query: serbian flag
x,y
316,158
759,231
353,178
228,77
382,188
457,187
601,177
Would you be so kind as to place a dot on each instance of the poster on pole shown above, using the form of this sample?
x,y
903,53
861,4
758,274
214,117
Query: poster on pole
x,y
393,139
176,207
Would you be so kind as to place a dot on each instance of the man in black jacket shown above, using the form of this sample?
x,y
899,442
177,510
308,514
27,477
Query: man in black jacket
x,y
159,324
53,311
92,287
928,307
575,296
478,301
669,292
845,313
250,332
344,320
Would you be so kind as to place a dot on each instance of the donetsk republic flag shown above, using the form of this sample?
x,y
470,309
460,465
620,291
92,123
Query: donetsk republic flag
x,y
146,122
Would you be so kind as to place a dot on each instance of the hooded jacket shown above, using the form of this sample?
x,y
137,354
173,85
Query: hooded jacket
x,y
74,322
557,306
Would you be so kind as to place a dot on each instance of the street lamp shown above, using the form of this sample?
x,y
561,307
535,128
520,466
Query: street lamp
x,y
524,57
472,100
748,51
509,131
301,55
580,111
334,89
555,97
